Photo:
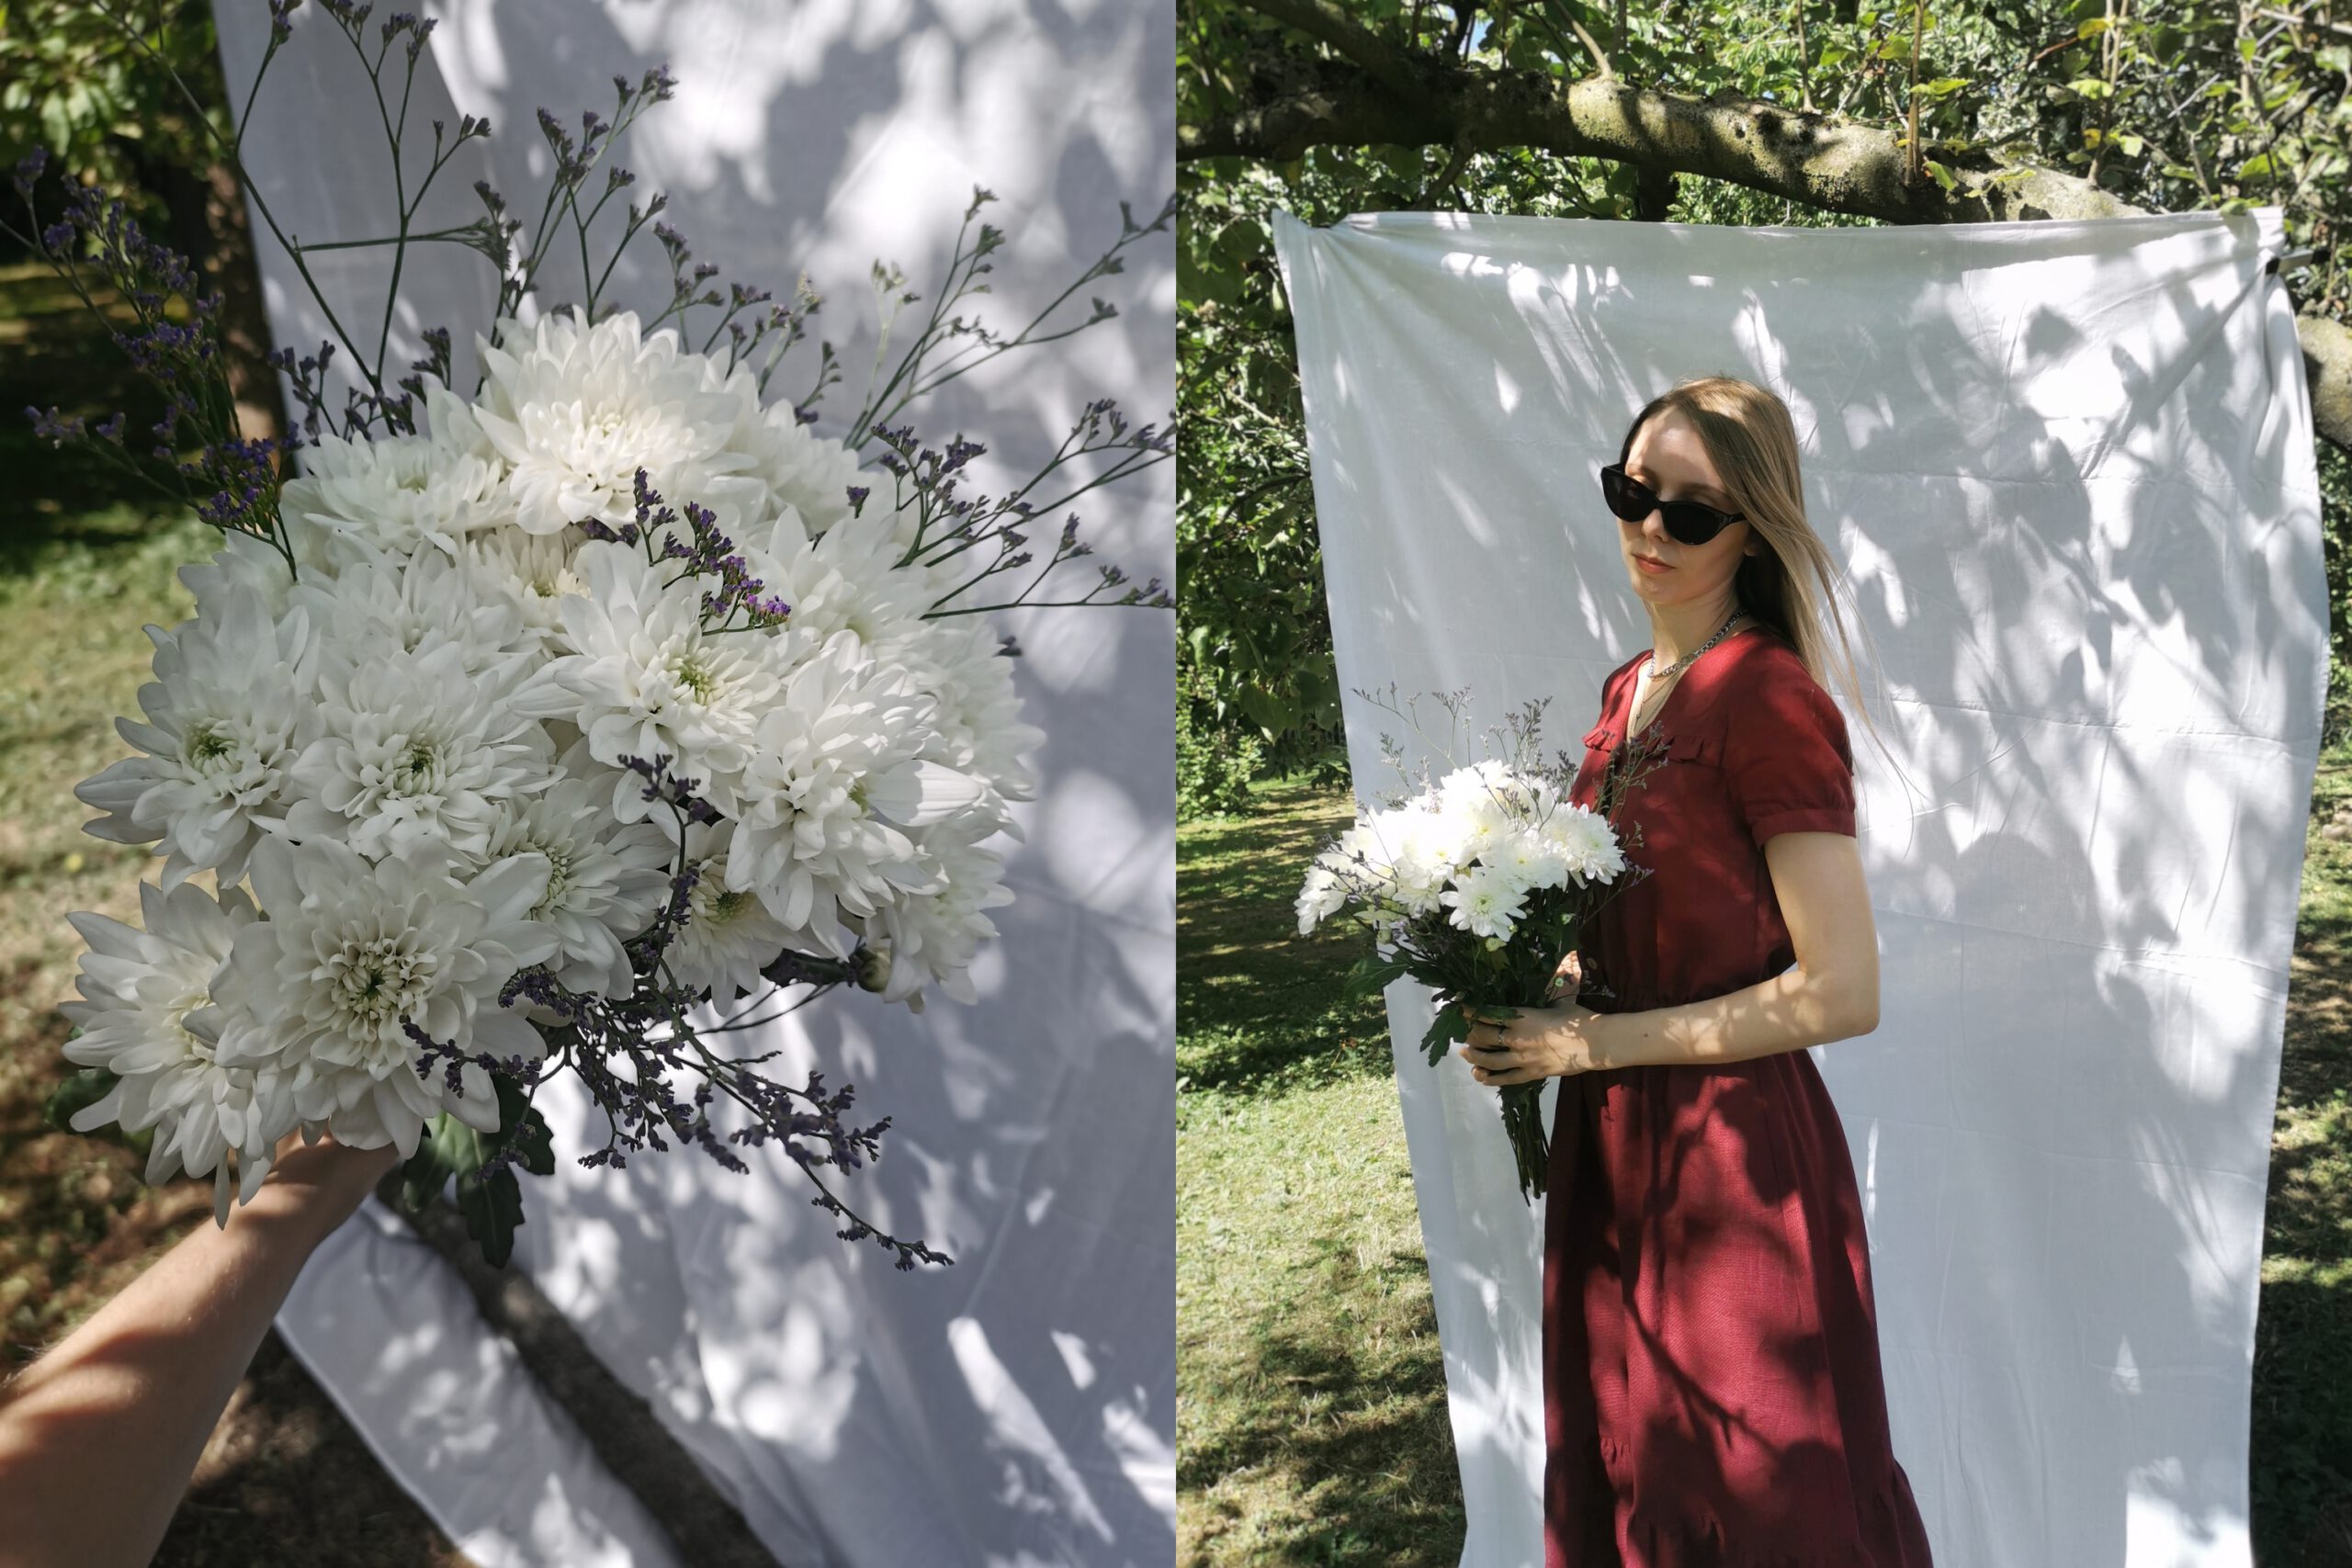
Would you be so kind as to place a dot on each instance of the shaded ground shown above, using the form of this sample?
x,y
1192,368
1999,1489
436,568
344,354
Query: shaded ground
x,y
85,560
1311,1420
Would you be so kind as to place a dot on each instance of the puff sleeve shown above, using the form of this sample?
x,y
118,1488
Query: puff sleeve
x,y
1787,758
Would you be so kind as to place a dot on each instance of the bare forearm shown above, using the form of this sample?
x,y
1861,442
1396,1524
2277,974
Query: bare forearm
x,y
98,1438
1788,1012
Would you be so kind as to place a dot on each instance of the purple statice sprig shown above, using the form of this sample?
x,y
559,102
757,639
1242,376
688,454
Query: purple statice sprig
x,y
993,528
681,795
569,212
738,602
391,81
757,329
632,1054
770,333
389,54
364,415
197,457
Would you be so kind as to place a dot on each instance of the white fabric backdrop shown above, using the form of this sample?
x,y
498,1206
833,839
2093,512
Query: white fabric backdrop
x,y
2069,468
1018,1407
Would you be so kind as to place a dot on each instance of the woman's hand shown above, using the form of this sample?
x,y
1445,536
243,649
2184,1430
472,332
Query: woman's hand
x,y
1539,1042
317,1185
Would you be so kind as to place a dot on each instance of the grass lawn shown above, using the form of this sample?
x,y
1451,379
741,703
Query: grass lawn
x,y
1310,1415
85,562
1311,1423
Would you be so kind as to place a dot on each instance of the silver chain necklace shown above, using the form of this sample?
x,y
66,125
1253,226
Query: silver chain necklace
x,y
1651,678
1650,662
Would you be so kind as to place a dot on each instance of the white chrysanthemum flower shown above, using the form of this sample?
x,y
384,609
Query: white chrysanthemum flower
x,y
1482,783
1472,824
414,752
728,935
930,938
1528,858
1361,846
146,1015
398,493
228,713
455,422
1323,894
976,713
649,682
1420,854
350,954
379,604
575,411
808,472
1362,863
836,776
846,579
244,564
1588,844
605,879
1484,903
535,572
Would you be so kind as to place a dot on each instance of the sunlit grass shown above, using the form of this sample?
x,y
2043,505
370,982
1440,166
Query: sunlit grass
x,y
1311,1422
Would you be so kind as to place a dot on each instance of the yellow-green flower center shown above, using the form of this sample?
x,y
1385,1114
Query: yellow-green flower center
x,y
694,674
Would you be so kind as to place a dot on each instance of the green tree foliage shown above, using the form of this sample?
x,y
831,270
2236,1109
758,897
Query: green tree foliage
x,y
70,81
1721,111
128,96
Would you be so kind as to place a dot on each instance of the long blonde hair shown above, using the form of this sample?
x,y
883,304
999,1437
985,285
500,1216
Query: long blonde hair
x,y
1752,442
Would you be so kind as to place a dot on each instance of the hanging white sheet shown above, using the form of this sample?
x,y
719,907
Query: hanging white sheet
x,y
1016,1409
2068,466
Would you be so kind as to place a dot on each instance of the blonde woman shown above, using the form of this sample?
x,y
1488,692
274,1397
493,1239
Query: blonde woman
x,y
1713,1392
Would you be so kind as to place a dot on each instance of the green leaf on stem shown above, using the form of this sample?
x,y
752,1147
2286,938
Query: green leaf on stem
x,y
493,1205
1447,1030
1373,973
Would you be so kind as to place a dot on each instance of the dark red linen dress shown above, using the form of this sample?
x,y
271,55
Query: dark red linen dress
x,y
1712,1389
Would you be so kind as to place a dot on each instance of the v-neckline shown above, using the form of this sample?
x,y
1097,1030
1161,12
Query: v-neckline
x,y
1674,691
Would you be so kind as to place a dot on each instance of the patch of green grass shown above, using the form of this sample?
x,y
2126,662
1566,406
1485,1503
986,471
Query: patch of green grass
x,y
1311,1422
74,1222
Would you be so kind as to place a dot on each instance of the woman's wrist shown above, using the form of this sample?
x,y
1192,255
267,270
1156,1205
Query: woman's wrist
x,y
312,1189
1610,1042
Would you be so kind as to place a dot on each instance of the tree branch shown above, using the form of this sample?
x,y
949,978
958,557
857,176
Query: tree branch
x,y
1823,161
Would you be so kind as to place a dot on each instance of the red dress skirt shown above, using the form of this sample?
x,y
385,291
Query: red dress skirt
x,y
1712,1390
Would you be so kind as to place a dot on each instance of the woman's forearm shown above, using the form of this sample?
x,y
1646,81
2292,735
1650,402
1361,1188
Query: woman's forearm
x,y
1788,1012
100,1435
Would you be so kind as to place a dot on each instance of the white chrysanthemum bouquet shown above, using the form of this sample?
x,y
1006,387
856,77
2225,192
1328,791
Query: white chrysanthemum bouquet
x,y
522,725
1476,884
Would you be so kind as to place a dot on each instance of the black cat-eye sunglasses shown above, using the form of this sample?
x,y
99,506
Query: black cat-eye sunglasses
x,y
1687,522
